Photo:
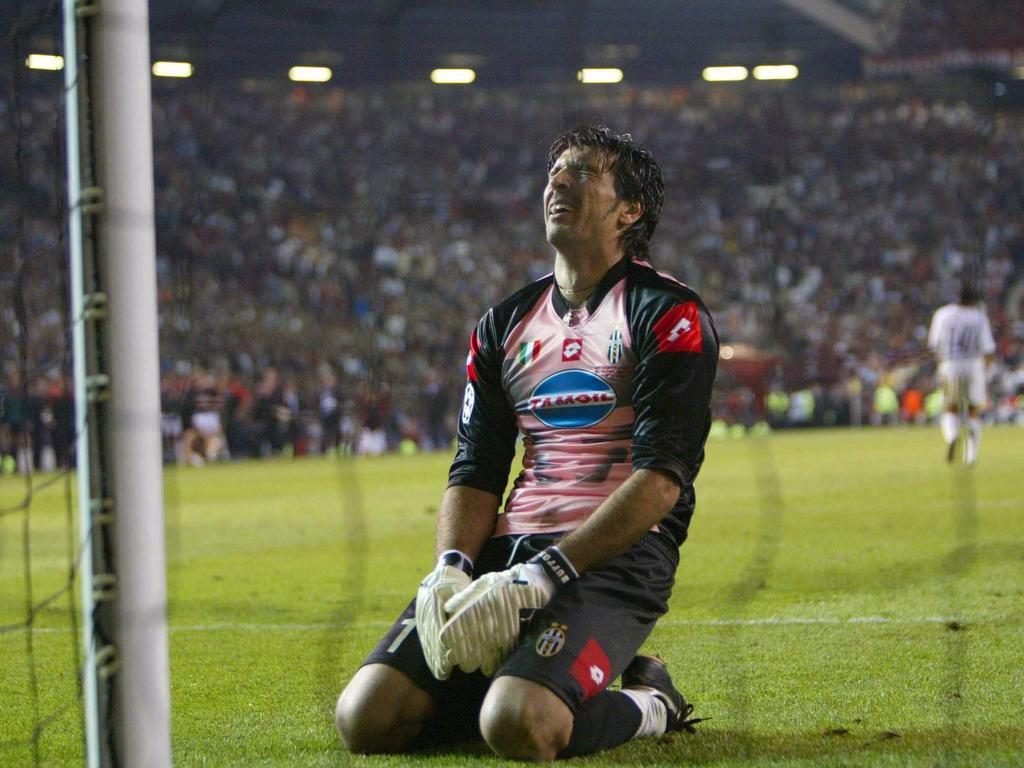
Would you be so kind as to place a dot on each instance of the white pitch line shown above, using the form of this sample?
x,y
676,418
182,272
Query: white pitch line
x,y
766,621
798,620
769,621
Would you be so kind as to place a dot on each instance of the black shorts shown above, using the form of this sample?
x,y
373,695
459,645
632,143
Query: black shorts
x,y
575,646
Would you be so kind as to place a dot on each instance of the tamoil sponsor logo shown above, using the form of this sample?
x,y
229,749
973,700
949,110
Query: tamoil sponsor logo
x,y
571,398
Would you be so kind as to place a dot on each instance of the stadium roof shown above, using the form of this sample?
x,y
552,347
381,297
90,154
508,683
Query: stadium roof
x,y
505,41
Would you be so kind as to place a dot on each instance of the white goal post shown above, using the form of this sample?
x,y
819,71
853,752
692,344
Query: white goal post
x,y
118,451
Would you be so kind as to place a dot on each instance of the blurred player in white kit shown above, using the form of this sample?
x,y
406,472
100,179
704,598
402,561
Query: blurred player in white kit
x,y
961,338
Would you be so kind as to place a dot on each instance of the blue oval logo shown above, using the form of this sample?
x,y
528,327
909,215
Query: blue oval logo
x,y
571,399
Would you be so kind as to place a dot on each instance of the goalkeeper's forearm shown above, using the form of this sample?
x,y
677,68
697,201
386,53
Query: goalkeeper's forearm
x,y
634,508
465,520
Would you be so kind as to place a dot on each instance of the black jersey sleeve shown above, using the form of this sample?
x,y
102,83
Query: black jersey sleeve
x,y
488,427
487,424
677,357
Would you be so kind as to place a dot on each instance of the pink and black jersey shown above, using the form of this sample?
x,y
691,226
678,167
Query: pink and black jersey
x,y
621,383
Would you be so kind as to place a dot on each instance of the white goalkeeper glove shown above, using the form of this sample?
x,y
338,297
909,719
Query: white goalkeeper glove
x,y
484,624
452,574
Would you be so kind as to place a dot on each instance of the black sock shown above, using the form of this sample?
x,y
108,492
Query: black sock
x,y
605,721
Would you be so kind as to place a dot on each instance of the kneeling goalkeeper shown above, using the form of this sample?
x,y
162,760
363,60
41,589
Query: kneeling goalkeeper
x,y
606,368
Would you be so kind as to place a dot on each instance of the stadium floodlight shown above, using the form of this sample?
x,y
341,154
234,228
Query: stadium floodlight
x,y
594,75
453,76
724,74
172,69
45,61
776,72
310,74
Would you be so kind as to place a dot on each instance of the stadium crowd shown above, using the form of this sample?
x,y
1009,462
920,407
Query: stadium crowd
x,y
323,253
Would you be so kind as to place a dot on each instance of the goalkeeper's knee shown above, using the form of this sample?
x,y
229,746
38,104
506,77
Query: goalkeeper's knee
x,y
522,720
381,711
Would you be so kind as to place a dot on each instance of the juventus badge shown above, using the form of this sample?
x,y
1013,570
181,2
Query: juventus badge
x,y
551,640
615,346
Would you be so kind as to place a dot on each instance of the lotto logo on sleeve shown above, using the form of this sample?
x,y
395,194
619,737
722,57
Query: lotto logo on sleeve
x,y
572,349
678,330
592,669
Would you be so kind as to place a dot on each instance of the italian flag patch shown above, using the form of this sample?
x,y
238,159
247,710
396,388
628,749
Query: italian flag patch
x,y
529,351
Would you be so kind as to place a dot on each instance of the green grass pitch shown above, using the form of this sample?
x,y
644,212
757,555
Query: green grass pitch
x,y
846,598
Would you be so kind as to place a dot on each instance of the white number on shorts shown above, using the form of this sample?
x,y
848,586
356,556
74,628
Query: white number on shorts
x,y
410,625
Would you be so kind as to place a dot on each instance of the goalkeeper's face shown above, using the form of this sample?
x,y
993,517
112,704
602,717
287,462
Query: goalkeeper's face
x,y
581,207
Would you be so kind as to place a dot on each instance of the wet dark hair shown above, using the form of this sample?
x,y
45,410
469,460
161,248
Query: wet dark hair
x,y
970,281
637,178
969,292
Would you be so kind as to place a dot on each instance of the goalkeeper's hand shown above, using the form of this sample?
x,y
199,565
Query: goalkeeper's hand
x,y
484,624
452,574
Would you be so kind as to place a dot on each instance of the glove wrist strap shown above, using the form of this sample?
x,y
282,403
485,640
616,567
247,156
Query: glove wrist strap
x,y
556,565
457,559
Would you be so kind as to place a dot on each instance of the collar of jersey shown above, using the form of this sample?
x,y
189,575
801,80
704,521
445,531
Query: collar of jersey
x,y
611,277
